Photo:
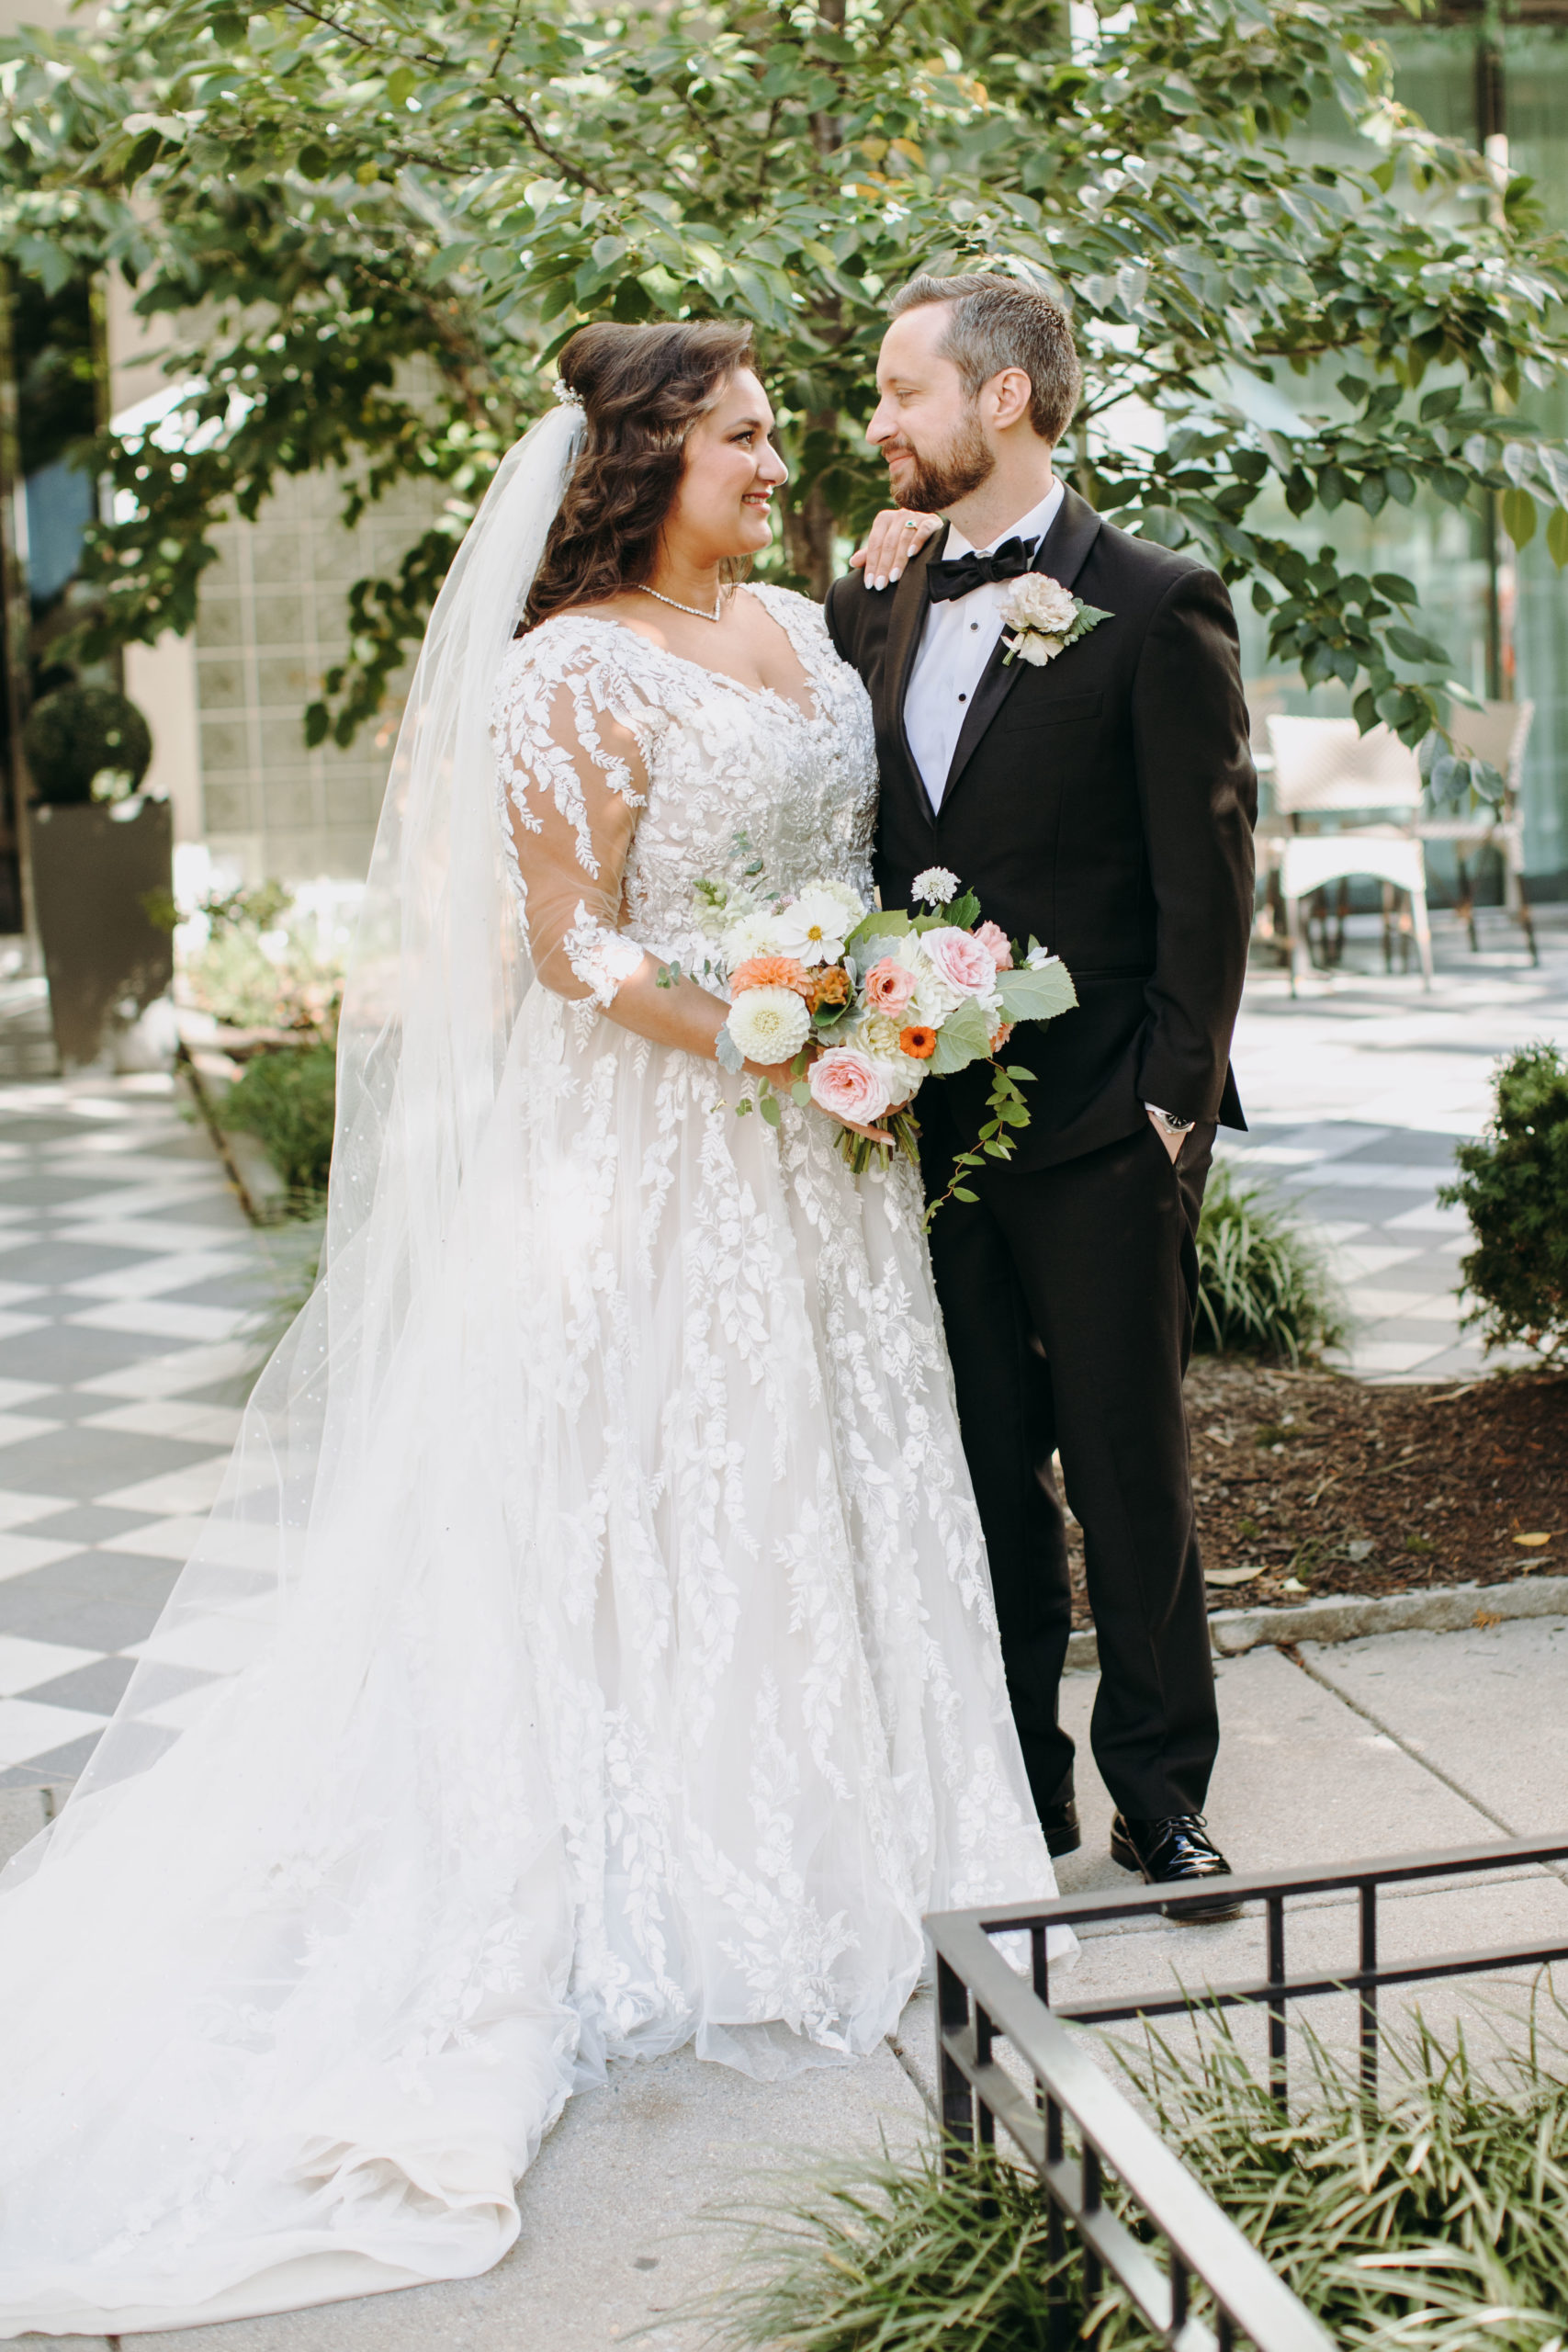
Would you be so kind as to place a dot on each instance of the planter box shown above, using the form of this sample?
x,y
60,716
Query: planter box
x,y
93,865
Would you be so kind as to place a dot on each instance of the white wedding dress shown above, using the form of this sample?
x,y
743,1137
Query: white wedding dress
x,y
621,1674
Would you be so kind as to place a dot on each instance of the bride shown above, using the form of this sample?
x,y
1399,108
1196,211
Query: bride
x,y
591,1651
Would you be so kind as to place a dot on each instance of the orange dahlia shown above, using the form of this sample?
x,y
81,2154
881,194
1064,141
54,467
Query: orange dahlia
x,y
917,1042
774,972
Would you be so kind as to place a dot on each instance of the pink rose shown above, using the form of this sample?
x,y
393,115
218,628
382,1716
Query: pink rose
x,y
848,1084
995,941
888,988
965,962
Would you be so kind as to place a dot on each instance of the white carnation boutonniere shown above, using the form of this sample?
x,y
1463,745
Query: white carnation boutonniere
x,y
1044,618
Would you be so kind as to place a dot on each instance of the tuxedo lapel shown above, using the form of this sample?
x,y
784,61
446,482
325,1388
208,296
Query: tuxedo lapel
x,y
1060,553
906,624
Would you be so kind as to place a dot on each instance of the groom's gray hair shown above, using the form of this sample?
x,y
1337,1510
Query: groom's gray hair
x,y
994,323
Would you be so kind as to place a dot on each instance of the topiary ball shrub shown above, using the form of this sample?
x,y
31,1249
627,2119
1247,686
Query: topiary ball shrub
x,y
287,1101
1513,1186
77,734
1262,1286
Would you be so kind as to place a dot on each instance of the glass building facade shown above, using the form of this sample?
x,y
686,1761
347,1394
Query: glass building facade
x,y
1475,74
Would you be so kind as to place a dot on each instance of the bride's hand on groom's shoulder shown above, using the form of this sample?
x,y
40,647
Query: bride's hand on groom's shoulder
x,y
892,539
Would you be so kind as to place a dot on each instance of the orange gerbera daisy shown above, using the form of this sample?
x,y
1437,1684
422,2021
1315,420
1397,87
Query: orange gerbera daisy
x,y
774,972
917,1042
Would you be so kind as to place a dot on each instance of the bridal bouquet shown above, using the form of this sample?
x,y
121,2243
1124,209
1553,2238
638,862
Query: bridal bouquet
x,y
865,1005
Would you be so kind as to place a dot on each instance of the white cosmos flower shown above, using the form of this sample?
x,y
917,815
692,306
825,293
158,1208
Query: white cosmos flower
x,y
768,1024
815,925
936,886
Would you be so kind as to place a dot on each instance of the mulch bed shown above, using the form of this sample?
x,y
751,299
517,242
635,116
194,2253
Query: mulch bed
x,y
1326,1485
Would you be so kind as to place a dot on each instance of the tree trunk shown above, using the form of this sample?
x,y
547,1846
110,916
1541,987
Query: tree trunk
x,y
809,524
808,521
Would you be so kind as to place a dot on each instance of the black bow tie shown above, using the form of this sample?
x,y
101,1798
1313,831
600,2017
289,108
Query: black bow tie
x,y
966,572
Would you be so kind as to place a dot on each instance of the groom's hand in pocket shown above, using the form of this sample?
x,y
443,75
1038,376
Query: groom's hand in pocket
x,y
892,538
1172,1142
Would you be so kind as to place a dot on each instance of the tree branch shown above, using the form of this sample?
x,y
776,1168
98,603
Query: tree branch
x,y
512,105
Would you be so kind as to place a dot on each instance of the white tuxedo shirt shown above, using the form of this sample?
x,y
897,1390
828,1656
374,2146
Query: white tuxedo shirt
x,y
959,638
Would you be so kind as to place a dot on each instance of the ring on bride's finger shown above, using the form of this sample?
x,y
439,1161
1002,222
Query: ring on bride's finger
x,y
911,522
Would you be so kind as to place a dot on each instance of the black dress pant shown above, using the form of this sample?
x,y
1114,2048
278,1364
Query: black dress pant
x,y
1069,1296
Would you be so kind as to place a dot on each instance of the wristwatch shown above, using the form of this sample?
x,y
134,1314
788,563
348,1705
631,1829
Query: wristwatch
x,y
1169,1122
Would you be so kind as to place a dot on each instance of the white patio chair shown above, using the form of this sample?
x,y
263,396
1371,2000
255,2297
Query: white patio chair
x,y
1498,732
1326,766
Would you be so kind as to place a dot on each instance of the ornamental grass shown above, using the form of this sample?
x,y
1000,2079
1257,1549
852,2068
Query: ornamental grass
x,y
1263,1287
1435,2220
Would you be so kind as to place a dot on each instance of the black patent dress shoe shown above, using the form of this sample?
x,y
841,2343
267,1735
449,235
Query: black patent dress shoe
x,y
1060,1823
1175,1850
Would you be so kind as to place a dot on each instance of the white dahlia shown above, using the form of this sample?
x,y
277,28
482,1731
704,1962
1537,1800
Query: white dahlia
x,y
769,1026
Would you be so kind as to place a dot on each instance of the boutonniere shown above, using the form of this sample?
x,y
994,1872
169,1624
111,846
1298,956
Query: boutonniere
x,y
1044,618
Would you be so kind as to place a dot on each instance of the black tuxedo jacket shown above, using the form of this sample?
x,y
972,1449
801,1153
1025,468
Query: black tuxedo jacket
x,y
1105,803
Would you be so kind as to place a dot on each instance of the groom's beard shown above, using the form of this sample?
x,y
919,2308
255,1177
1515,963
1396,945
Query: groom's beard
x,y
940,481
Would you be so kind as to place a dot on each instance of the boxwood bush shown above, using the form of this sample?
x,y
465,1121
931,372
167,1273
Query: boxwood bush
x,y
79,733
1513,1186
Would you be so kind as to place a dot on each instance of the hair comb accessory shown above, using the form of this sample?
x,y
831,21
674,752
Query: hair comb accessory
x,y
564,392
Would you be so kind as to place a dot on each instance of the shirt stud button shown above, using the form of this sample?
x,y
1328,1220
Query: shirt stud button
x,y
963,697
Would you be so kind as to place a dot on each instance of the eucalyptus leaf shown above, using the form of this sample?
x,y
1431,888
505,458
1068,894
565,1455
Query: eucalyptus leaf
x,y
1041,992
964,1037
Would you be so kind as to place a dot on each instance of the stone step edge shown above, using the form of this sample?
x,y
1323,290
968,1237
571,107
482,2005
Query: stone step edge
x,y
1350,1617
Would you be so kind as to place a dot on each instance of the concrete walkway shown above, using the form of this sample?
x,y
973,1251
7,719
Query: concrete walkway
x,y
1375,1748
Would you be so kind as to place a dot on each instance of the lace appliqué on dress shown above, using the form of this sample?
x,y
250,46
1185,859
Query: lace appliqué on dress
x,y
601,958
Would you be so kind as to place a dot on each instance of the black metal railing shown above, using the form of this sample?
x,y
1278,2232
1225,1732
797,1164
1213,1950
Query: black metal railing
x,y
981,1998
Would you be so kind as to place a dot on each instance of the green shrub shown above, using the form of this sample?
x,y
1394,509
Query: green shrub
x,y
1439,2221
1261,1284
287,1100
80,733
1513,1186
249,986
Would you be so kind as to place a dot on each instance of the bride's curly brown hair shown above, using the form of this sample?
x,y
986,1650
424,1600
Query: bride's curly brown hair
x,y
642,390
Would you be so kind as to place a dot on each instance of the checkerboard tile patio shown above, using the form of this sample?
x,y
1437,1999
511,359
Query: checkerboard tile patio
x,y
132,1293
132,1289
1358,1088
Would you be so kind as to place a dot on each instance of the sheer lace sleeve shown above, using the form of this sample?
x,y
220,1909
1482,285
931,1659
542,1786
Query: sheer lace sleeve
x,y
572,778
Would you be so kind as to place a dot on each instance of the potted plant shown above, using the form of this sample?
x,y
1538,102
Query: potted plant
x,y
102,863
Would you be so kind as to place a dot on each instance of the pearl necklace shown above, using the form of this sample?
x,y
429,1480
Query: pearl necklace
x,y
676,606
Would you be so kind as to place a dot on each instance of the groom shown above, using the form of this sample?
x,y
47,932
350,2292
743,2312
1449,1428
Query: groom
x,y
1103,802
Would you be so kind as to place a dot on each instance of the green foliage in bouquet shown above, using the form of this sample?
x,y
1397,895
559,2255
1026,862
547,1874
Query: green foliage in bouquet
x,y
1438,2223
1262,1285
1514,1189
287,1099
